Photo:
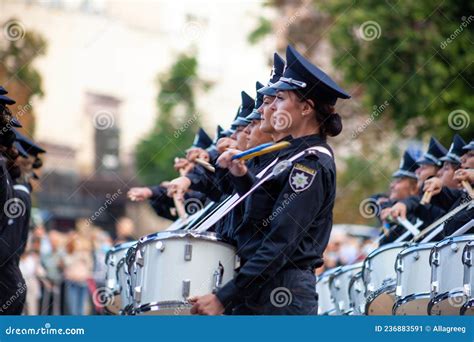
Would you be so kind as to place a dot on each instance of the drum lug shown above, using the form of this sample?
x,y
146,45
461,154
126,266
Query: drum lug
x,y
435,258
186,288
434,287
188,252
217,278
399,265
139,258
137,294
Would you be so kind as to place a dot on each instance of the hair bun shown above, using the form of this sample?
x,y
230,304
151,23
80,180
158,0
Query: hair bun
x,y
333,125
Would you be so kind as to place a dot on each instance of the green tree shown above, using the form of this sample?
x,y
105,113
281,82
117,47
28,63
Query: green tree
x,y
176,123
415,54
18,50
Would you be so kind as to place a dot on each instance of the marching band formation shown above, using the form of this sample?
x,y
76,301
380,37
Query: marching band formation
x,y
252,212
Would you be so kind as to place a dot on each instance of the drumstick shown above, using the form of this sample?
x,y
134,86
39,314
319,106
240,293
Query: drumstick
x,y
205,164
426,197
178,204
261,150
468,188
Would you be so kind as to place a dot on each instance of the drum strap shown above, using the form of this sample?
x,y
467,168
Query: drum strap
x,y
439,223
463,229
221,213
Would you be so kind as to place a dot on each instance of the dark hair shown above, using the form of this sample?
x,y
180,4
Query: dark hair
x,y
330,122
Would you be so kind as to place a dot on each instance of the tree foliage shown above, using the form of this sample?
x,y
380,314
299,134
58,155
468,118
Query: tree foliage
x,y
176,123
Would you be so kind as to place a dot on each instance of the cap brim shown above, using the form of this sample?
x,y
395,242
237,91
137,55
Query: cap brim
x,y
240,122
254,116
268,91
6,100
424,161
403,173
280,85
449,160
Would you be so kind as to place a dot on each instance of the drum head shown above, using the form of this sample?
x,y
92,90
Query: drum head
x,y
416,305
447,304
380,303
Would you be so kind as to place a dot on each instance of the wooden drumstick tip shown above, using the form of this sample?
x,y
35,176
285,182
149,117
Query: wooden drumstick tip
x,y
178,204
426,197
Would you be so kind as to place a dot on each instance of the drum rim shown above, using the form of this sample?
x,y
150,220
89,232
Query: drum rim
x,y
469,304
346,268
409,298
442,297
417,247
385,248
327,273
119,247
449,240
182,233
155,306
391,287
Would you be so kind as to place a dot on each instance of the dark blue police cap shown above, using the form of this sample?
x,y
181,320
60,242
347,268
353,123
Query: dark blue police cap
x,y
407,166
276,73
20,149
255,115
455,151
310,81
5,100
3,91
202,139
434,153
245,109
28,145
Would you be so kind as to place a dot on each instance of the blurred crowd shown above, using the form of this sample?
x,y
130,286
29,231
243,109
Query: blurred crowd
x,y
64,271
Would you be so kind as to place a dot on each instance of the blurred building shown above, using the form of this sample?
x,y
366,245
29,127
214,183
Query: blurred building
x,y
99,79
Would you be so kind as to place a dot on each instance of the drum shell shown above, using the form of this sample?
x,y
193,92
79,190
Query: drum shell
x,y
379,266
339,286
468,261
176,265
325,301
113,256
447,269
413,270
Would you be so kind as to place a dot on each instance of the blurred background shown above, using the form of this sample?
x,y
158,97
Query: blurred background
x,y
115,89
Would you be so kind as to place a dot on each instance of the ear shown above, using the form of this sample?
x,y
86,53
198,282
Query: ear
x,y
307,107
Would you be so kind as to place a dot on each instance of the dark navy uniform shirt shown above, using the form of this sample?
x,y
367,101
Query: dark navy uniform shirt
x,y
287,221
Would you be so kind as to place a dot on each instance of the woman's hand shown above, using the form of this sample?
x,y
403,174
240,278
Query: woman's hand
x,y
139,194
178,186
206,305
225,143
236,167
433,185
464,175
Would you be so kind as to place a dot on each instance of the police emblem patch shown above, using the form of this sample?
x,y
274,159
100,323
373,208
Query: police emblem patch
x,y
301,177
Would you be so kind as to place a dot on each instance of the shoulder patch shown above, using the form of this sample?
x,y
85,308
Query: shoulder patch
x,y
301,177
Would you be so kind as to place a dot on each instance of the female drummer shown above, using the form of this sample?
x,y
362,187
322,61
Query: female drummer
x,y
288,219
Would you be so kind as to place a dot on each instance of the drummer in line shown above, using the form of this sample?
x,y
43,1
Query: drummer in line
x,y
278,256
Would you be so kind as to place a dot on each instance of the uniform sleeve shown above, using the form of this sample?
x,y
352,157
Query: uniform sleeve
x,y
295,211
161,203
206,182
447,198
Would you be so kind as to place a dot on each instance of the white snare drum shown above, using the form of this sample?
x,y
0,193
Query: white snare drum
x,y
113,256
468,261
174,265
325,301
339,287
357,294
413,280
378,273
447,291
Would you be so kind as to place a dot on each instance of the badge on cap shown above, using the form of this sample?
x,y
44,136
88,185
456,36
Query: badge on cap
x,y
301,177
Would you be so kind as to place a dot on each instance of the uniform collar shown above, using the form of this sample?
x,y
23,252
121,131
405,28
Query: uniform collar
x,y
302,143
